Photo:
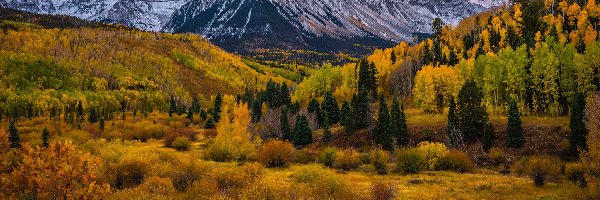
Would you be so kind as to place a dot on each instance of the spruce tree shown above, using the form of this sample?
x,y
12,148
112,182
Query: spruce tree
x,y
210,123
196,107
330,105
286,131
381,133
578,135
516,138
302,132
217,107
398,126
315,108
366,77
172,106
346,115
190,114
124,109
488,137
327,137
101,123
13,137
256,110
80,111
472,116
454,136
286,98
360,110
93,116
393,57
45,137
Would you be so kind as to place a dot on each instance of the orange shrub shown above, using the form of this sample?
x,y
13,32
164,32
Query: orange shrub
x,y
57,172
276,153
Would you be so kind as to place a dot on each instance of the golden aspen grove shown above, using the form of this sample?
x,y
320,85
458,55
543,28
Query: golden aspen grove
x,y
504,104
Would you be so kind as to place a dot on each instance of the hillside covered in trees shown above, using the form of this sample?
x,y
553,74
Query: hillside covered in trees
x,y
505,105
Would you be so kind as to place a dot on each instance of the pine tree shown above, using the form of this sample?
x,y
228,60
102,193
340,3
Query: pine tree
x,y
124,109
45,137
210,123
346,115
172,106
217,107
315,109
472,116
488,137
393,57
578,135
326,132
80,111
190,114
516,138
360,110
93,116
101,123
196,107
256,110
286,98
15,141
330,105
366,77
302,132
382,134
286,131
427,56
454,136
398,126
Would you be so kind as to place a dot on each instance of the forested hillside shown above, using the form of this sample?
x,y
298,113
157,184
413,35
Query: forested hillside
x,y
108,67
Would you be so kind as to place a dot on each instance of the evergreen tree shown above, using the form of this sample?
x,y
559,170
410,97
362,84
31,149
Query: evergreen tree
x,y
360,110
454,136
124,109
382,134
327,137
256,110
15,141
217,107
398,126
210,123
190,114
427,56
346,115
196,107
286,131
315,109
488,137
45,137
93,116
472,116
330,105
295,107
366,77
393,57
172,106
302,132
80,111
516,138
578,135
101,123
284,92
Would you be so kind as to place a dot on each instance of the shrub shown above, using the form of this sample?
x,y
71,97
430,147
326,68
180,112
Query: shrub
x,y
304,157
276,153
409,161
182,144
541,168
157,186
236,178
379,159
383,191
188,173
347,160
431,152
328,156
576,173
496,156
320,183
456,161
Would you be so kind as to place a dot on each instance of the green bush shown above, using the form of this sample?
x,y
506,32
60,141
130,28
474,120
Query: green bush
x,y
347,160
328,156
409,161
276,153
379,159
456,161
182,144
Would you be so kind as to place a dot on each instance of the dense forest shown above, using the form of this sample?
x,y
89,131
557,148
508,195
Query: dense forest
x,y
506,98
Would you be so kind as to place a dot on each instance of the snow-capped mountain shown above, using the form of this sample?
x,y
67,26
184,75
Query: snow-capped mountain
x,y
239,25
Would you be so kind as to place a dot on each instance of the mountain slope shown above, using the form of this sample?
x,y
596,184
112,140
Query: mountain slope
x,y
354,26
